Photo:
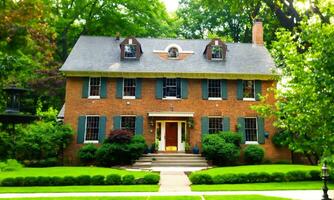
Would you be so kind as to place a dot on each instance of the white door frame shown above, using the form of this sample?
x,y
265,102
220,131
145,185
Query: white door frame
x,y
162,143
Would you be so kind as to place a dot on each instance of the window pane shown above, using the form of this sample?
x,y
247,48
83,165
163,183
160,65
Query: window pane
x,y
215,125
173,52
217,52
251,129
129,87
92,128
130,51
94,86
172,87
249,90
214,87
128,123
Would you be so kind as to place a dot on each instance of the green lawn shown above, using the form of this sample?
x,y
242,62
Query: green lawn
x,y
69,171
104,188
258,168
225,197
304,185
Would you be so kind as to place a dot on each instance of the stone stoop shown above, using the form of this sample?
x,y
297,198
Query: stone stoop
x,y
170,160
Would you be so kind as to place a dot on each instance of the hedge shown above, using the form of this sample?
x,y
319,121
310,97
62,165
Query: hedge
x,y
254,177
112,179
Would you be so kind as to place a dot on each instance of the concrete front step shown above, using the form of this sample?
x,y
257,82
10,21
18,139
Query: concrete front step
x,y
171,158
179,165
171,155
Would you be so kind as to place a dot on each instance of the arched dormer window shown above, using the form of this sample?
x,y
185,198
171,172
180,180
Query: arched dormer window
x,y
173,52
130,49
215,50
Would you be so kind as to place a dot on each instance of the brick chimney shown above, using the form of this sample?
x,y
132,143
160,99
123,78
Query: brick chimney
x,y
257,32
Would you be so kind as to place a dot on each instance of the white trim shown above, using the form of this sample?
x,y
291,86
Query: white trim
x,y
171,98
248,99
123,85
90,141
254,92
173,45
129,97
171,114
162,143
94,97
257,132
251,142
215,98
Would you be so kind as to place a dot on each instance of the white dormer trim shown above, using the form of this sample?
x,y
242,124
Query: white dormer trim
x,y
171,46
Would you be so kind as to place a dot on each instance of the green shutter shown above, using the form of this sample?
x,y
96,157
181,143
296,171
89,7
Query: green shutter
x,y
85,85
258,90
81,129
119,88
184,88
240,88
116,122
205,89
103,88
205,125
138,88
260,130
224,88
241,129
159,88
226,124
139,125
102,128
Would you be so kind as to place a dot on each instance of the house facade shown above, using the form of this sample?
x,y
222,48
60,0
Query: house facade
x,y
170,91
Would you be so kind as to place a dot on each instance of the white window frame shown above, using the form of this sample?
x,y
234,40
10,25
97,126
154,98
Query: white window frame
x,y
220,47
215,98
173,97
130,44
91,141
128,116
257,132
248,99
220,117
128,97
94,97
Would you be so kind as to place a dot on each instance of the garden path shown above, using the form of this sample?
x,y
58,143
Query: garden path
x,y
174,181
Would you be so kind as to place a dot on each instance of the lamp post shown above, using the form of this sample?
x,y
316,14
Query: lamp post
x,y
325,176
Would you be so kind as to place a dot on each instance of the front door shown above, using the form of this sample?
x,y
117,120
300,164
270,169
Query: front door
x,y
171,134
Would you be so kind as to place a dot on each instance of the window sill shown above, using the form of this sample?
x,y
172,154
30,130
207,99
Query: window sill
x,y
248,99
251,142
171,98
94,97
129,97
215,98
91,142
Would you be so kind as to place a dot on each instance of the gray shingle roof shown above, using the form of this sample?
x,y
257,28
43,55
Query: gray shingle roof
x,y
102,54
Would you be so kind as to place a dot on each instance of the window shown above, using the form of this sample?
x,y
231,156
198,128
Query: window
x,y
251,129
130,51
94,87
173,52
217,52
128,123
215,124
171,88
129,87
249,89
214,88
92,128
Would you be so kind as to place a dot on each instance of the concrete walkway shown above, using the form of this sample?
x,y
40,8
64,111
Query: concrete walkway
x,y
292,194
174,181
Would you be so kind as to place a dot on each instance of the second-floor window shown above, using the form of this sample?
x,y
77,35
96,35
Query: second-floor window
x,y
129,87
171,88
217,52
214,88
94,87
130,51
92,129
215,124
251,129
128,123
249,89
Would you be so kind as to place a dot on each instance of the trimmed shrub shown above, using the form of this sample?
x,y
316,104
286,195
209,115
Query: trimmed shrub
x,y
253,154
128,180
9,182
30,181
113,179
151,179
43,181
297,176
315,175
69,180
10,165
87,154
231,137
57,181
201,179
139,181
97,180
278,177
83,180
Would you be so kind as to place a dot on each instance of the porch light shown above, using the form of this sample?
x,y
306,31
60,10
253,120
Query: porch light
x,y
151,122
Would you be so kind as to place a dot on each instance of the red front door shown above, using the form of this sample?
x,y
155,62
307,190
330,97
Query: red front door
x,y
171,134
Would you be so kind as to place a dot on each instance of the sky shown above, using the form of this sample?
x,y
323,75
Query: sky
x,y
171,5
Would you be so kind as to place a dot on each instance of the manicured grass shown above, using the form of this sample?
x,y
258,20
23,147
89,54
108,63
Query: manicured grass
x,y
104,188
258,168
224,197
304,185
69,171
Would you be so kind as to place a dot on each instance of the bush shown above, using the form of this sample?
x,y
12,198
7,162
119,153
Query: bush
x,y
253,154
30,181
5,145
297,176
69,180
97,180
43,181
128,180
151,179
315,175
231,137
278,177
8,182
119,136
113,179
221,153
83,180
57,181
87,154
201,178
139,181
10,165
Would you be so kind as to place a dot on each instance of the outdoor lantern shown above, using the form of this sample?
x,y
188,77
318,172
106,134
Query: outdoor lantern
x,y
324,170
325,176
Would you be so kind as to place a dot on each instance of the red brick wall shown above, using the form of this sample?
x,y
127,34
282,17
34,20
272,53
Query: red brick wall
x,y
111,106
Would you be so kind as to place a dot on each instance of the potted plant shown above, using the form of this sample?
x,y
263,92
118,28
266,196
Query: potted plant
x,y
187,147
195,149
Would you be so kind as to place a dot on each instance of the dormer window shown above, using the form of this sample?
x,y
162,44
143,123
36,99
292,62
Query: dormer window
x,y
130,51
215,50
173,52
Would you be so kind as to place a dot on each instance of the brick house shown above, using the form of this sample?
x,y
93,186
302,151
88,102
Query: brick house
x,y
168,90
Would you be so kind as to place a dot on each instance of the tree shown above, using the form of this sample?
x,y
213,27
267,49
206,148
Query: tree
x,y
304,106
